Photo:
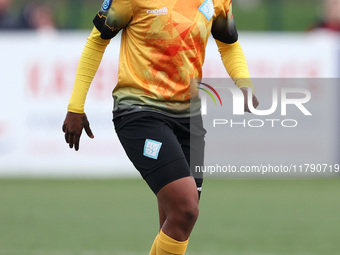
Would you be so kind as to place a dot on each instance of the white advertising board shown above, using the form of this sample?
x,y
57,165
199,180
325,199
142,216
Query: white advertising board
x,y
37,74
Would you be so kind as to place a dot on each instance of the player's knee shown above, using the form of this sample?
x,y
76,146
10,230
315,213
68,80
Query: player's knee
x,y
187,213
191,213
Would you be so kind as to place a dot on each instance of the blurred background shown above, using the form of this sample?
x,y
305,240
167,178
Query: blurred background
x,y
252,15
41,42
55,201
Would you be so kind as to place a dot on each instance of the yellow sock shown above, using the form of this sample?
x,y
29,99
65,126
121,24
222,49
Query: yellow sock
x,y
168,246
153,247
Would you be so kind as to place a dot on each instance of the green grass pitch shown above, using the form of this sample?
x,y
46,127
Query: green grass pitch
x,y
118,216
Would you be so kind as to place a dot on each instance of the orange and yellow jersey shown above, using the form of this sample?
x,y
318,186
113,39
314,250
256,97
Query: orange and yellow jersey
x,y
162,49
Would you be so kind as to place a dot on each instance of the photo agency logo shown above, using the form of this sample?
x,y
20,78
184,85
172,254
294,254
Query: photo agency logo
x,y
209,93
282,99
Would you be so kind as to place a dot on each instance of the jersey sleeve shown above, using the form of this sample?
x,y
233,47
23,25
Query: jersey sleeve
x,y
223,27
88,65
235,63
113,16
225,33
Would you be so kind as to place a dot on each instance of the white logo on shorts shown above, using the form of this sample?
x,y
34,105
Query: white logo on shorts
x,y
152,148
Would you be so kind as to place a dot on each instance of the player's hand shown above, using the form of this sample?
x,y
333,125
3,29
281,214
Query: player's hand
x,y
254,100
73,126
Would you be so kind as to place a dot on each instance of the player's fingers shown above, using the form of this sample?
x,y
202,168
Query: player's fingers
x,y
64,128
245,97
88,130
67,136
255,102
71,140
76,142
246,107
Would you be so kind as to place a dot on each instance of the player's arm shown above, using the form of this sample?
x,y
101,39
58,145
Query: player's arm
x,y
88,65
226,36
108,22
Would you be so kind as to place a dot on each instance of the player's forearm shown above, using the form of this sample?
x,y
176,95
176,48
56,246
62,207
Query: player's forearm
x,y
235,63
87,68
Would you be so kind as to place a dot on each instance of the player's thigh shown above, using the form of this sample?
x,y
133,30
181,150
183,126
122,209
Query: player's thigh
x,y
153,148
179,195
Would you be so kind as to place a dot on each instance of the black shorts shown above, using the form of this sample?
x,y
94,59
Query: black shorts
x,y
162,148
